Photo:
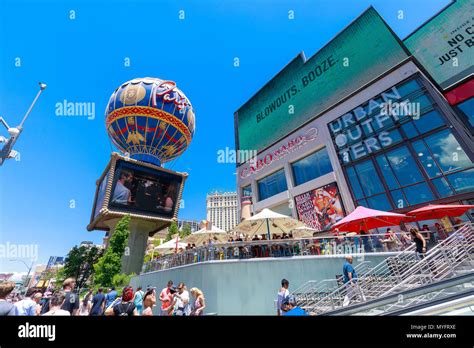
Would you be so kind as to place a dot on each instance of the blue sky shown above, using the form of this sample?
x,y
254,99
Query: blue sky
x,y
82,60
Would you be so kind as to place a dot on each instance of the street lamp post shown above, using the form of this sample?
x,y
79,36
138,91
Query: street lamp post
x,y
29,269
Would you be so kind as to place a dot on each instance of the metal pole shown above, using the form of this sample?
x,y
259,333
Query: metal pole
x,y
268,230
42,88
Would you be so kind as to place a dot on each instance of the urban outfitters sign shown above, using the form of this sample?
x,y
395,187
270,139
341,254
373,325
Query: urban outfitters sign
x,y
445,44
304,89
363,130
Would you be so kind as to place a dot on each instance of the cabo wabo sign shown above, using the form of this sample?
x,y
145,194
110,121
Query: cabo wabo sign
x,y
255,165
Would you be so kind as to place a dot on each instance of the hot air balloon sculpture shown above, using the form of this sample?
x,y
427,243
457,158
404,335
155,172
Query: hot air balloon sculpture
x,y
150,120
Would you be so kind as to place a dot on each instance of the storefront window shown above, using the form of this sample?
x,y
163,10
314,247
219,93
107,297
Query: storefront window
x,y
354,183
467,108
399,199
462,181
369,179
379,202
383,166
311,167
424,156
404,166
429,121
443,187
272,184
408,87
418,193
446,150
387,172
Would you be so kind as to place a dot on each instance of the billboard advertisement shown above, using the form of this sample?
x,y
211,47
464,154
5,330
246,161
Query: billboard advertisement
x,y
138,189
305,88
445,44
320,208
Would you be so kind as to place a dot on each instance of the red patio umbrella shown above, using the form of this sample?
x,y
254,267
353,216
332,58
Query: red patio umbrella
x,y
365,218
438,211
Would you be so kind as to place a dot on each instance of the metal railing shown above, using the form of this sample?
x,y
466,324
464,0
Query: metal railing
x,y
401,272
410,298
313,291
329,245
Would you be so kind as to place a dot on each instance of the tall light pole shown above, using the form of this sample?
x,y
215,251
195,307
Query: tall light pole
x,y
7,151
29,269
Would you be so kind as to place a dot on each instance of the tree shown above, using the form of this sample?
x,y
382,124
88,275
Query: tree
x,y
110,264
185,231
79,264
172,230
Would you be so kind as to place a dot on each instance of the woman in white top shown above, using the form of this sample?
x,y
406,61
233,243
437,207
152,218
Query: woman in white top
x,y
55,304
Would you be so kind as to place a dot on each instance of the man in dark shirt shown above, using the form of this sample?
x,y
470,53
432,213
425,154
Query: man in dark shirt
x,y
71,301
98,302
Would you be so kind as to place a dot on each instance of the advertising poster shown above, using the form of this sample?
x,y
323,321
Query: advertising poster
x,y
320,208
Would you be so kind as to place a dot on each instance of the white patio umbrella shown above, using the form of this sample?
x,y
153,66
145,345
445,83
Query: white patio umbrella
x,y
171,244
267,222
303,232
203,235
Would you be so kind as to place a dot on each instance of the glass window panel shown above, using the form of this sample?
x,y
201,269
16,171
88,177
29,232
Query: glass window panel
x,y
311,167
423,100
362,202
394,136
387,172
356,189
467,107
272,184
442,187
399,199
247,191
408,87
429,121
410,130
446,150
419,193
369,179
429,164
404,166
462,181
379,202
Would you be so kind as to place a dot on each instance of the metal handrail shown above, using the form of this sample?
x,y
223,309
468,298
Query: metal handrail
x,y
404,271
406,295
314,290
327,245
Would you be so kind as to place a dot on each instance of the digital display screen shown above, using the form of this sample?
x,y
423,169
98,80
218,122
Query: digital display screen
x,y
140,189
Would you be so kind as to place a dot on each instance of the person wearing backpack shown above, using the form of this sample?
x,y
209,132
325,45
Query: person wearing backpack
x,y
126,307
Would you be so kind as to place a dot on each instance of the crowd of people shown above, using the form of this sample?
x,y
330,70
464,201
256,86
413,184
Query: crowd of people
x,y
175,301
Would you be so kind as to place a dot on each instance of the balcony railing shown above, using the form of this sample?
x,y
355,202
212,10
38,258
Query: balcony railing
x,y
329,245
